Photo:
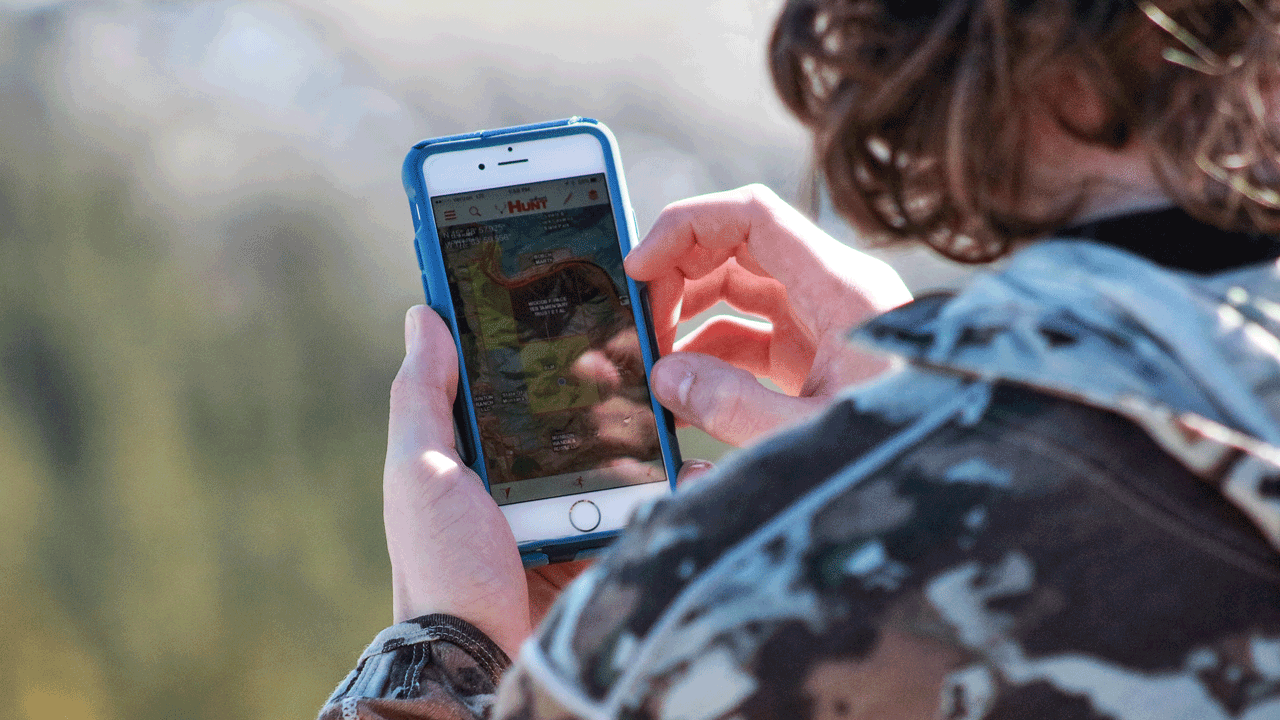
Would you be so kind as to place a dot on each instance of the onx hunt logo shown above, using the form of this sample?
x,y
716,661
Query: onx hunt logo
x,y
519,206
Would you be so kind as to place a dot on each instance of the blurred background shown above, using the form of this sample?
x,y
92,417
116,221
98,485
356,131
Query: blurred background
x,y
205,257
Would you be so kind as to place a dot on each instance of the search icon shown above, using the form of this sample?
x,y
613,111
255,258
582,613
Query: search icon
x,y
474,211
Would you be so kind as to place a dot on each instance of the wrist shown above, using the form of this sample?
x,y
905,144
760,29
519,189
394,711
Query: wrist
x,y
503,622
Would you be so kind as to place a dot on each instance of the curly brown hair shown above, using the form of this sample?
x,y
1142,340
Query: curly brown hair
x,y
920,110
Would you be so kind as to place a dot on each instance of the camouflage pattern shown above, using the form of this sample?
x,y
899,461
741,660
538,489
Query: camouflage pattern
x,y
1065,506
434,666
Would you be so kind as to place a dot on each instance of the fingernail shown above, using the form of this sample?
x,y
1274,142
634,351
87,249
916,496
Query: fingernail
x,y
686,383
410,330
672,380
692,470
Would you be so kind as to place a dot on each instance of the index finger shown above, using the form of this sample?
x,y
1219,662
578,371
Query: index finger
x,y
700,233
768,237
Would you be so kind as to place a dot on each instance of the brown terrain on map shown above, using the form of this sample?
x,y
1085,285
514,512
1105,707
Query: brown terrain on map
x,y
576,280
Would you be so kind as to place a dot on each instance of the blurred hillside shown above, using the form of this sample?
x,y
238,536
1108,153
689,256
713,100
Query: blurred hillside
x,y
205,260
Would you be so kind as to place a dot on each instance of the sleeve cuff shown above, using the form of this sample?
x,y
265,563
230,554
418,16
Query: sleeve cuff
x,y
393,662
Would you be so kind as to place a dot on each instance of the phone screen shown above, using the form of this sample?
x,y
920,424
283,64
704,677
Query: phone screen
x,y
548,338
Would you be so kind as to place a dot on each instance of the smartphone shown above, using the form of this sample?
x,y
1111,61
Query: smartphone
x,y
520,234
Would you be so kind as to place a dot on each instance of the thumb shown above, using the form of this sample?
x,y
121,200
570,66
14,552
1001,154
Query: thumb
x,y
726,402
423,391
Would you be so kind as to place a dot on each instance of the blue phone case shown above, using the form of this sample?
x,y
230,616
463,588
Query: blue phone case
x,y
431,264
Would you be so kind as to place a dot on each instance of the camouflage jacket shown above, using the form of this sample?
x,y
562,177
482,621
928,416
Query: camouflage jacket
x,y
1064,506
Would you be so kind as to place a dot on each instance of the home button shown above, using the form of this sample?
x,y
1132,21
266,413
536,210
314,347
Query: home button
x,y
584,515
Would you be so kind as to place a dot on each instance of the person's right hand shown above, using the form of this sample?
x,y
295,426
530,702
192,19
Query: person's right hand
x,y
752,250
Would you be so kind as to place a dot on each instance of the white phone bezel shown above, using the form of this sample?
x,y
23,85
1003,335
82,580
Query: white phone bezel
x,y
551,158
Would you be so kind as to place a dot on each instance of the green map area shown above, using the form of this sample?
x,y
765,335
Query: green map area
x,y
497,324
552,384
546,365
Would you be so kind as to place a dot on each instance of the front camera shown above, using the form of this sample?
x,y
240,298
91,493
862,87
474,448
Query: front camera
x,y
481,166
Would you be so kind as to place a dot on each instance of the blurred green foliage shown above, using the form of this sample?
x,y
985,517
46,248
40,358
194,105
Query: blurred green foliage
x,y
190,452
190,506
191,436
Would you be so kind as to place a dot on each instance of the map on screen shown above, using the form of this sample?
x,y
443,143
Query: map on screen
x,y
549,342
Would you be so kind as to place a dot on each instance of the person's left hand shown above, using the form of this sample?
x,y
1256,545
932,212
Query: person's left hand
x,y
451,549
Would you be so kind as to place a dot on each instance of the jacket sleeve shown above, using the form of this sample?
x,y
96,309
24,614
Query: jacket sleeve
x,y
435,667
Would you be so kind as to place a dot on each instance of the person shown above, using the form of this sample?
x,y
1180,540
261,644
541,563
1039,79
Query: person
x,y
1060,499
